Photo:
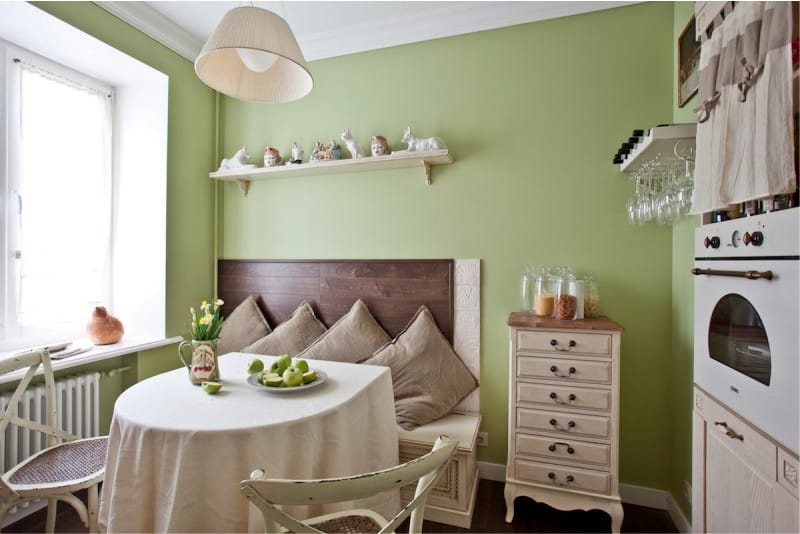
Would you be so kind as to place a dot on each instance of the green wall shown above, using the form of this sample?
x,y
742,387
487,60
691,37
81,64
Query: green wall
x,y
190,194
532,115
682,310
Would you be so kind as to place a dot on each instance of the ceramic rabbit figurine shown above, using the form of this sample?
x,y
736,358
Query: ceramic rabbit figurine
x,y
355,148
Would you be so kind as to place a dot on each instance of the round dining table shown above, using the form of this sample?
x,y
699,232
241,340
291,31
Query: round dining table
x,y
177,454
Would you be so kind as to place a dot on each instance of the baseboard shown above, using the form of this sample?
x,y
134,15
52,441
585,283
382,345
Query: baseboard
x,y
638,495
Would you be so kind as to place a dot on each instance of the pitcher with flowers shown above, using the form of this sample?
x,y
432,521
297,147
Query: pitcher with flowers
x,y
206,325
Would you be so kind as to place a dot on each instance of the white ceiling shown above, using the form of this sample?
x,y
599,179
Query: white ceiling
x,y
328,29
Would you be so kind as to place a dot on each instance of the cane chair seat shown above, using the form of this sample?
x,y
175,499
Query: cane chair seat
x,y
82,459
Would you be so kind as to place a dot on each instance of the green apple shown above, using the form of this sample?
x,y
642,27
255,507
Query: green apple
x,y
255,366
211,387
280,364
292,377
265,375
273,381
309,376
300,364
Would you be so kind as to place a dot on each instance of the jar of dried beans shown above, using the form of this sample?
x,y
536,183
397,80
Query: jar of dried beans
x,y
566,303
591,298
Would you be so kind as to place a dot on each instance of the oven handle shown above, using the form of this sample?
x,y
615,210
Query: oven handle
x,y
750,275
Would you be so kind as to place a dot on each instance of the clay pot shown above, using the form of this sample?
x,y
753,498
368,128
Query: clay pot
x,y
104,329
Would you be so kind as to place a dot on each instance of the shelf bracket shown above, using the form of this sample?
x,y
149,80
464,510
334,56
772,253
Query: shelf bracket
x,y
427,172
244,185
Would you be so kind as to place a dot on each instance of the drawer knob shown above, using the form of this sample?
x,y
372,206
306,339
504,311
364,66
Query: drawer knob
x,y
729,431
552,476
554,370
572,343
553,447
554,423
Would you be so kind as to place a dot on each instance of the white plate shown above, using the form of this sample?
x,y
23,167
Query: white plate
x,y
322,376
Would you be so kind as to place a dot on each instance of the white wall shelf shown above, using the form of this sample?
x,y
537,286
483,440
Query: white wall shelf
x,y
659,142
397,160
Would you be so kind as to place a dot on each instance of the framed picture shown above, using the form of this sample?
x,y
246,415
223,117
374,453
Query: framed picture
x,y
688,60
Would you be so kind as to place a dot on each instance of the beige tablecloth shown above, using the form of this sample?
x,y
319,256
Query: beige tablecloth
x,y
176,454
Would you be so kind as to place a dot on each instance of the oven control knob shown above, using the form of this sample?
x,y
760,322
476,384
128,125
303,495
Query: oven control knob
x,y
757,239
712,242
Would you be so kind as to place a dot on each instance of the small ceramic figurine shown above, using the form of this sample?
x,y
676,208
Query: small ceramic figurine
x,y
336,149
237,161
104,329
297,155
355,148
422,144
380,146
316,153
272,158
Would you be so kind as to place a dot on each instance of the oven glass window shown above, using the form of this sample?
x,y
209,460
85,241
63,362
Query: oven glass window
x,y
736,338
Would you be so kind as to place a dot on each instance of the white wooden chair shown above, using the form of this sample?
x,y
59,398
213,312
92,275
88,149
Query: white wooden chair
x,y
66,464
268,493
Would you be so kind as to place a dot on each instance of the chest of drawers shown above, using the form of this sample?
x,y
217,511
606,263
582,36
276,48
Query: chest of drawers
x,y
564,414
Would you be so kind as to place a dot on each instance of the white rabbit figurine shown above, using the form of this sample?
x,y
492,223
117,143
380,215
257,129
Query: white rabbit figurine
x,y
422,144
355,148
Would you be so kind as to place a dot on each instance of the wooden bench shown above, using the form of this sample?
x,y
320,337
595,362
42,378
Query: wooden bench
x,y
452,500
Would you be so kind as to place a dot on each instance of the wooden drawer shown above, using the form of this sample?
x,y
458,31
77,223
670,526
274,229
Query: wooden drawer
x,y
560,476
568,424
564,396
564,449
564,342
739,437
787,471
564,369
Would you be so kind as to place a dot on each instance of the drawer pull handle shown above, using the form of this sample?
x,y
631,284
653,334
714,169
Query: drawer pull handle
x,y
729,431
554,343
554,370
570,425
552,476
554,396
570,450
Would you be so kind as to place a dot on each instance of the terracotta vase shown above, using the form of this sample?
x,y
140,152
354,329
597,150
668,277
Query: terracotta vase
x,y
104,329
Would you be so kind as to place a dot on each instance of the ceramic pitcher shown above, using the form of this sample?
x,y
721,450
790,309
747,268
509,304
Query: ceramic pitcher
x,y
203,365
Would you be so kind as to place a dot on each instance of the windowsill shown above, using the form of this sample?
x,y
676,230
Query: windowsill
x,y
96,354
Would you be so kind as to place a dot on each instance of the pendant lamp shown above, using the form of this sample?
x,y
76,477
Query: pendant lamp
x,y
253,55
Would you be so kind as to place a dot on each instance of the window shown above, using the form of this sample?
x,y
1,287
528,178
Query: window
x,y
104,239
58,193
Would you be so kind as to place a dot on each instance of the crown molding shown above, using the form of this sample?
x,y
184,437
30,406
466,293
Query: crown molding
x,y
149,21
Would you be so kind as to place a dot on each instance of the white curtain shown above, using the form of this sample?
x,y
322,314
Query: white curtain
x,y
745,147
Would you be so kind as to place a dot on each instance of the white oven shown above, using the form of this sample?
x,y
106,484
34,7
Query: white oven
x,y
747,318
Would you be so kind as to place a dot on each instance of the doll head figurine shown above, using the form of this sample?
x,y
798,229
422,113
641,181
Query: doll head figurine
x,y
272,158
380,147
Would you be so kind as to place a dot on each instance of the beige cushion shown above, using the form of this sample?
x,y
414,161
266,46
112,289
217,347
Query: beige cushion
x,y
428,377
242,327
291,336
353,338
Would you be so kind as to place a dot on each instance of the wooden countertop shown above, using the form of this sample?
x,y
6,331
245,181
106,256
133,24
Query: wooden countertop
x,y
524,320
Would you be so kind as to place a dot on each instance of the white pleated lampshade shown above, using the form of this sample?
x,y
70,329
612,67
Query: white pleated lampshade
x,y
253,55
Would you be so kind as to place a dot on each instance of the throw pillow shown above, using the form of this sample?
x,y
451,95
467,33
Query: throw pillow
x,y
242,327
291,336
428,377
353,338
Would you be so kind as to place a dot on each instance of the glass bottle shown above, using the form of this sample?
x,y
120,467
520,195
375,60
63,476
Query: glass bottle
x,y
591,298
566,302
526,293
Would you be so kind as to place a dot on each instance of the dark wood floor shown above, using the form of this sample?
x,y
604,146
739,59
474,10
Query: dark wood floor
x,y
490,511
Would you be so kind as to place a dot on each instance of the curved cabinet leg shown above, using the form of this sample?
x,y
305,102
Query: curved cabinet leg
x,y
617,514
510,493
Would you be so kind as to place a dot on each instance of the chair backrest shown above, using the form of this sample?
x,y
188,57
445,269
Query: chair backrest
x,y
266,493
33,360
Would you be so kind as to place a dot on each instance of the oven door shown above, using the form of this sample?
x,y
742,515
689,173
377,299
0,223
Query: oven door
x,y
746,342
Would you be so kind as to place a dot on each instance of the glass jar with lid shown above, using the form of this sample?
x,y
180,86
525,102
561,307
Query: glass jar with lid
x,y
544,295
591,298
566,300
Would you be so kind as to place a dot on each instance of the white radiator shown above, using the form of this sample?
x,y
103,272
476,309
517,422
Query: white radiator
x,y
78,400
